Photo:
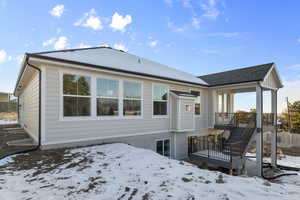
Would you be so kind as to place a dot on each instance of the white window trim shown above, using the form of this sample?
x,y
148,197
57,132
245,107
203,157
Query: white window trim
x,y
168,101
198,115
118,97
141,116
62,95
94,96
163,139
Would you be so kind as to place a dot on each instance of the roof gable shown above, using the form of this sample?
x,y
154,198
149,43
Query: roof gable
x,y
119,60
248,74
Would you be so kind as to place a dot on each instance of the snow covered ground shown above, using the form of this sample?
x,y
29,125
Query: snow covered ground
x,y
8,121
119,171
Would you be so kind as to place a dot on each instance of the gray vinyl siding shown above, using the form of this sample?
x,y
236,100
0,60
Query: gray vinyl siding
x,y
29,110
186,118
59,130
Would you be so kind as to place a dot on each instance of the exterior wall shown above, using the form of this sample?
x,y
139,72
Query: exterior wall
x,y
60,130
186,120
29,110
141,141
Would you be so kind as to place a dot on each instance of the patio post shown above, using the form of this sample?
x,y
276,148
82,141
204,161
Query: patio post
x,y
274,130
259,111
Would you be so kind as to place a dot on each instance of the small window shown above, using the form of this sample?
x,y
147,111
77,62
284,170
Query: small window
x,y
197,102
132,98
76,95
107,97
160,100
163,147
188,108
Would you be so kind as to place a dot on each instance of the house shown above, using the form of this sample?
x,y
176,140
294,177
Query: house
x,y
5,98
99,95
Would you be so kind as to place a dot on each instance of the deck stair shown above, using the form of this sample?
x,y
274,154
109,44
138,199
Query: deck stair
x,y
228,153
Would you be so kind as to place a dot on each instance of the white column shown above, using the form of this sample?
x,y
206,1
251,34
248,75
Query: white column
x,y
274,131
259,111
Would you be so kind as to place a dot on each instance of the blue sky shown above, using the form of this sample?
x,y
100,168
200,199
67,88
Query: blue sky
x,y
197,36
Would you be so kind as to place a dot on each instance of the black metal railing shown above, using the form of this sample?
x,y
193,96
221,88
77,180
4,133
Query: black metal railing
x,y
212,147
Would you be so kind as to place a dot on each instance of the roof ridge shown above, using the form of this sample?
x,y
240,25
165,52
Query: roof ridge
x,y
271,63
76,49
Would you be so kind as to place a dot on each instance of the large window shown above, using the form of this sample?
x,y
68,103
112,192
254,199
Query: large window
x,y
132,98
197,102
163,147
76,95
107,97
160,100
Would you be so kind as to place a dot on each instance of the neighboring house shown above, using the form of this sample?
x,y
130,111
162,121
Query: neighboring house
x,y
99,95
4,101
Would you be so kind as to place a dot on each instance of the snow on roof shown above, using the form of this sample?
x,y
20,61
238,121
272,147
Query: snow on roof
x,y
120,60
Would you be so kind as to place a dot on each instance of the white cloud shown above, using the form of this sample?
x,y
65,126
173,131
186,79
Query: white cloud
x,y
169,2
57,11
61,43
196,23
119,22
225,34
120,47
295,66
4,57
210,9
49,42
298,40
153,43
58,43
176,28
19,58
81,45
90,20
186,3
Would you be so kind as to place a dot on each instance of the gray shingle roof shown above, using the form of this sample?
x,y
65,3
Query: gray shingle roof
x,y
248,74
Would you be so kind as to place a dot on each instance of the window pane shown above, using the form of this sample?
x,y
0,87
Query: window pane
x,y
197,108
159,147
84,85
159,108
167,148
70,106
70,84
132,90
160,92
84,106
132,107
107,88
107,107
77,106
76,85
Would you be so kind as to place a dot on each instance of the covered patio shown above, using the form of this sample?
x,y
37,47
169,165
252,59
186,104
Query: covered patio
x,y
242,129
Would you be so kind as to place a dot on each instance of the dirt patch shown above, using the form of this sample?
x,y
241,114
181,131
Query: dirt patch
x,y
10,116
43,161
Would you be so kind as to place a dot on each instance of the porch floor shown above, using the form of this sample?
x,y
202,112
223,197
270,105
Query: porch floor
x,y
14,139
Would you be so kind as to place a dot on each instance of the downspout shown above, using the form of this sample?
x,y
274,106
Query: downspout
x,y
40,89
